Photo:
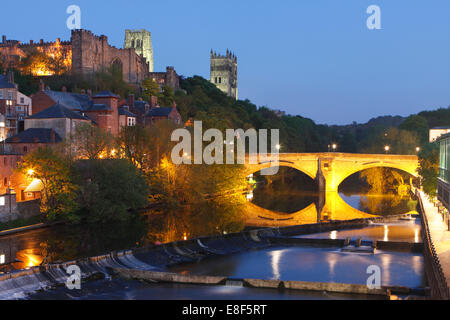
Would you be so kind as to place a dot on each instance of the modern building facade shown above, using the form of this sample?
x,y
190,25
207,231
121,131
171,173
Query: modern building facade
x,y
444,169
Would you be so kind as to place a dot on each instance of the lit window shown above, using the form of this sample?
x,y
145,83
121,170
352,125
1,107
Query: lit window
x,y
2,124
2,258
2,201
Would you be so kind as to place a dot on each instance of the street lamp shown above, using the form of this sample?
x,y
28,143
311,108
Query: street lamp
x,y
334,146
417,149
278,147
30,172
387,148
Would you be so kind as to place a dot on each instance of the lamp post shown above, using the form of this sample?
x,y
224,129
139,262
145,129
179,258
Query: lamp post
x,y
417,149
387,148
334,147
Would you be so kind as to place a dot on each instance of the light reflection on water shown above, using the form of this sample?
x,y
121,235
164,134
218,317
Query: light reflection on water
x,y
405,231
312,264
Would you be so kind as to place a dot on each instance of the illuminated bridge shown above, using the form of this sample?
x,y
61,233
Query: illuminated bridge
x,y
329,170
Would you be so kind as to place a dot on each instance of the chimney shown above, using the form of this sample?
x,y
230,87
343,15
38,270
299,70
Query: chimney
x,y
41,41
64,89
31,42
4,39
41,85
10,77
153,102
52,136
131,100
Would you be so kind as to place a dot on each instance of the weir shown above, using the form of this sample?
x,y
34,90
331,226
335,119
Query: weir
x,y
153,261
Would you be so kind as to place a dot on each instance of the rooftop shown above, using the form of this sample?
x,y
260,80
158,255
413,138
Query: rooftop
x,y
34,135
126,112
159,112
57,111
5,84
99,107
106,94
74,101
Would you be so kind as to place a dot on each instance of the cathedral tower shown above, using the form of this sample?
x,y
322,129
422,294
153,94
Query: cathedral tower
x,y
141,41
224,73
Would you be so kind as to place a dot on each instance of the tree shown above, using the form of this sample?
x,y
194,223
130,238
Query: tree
x,y
91,142
386,180
167,96
135,145
54,171
417,124
399,142
150,88
110,190
429,168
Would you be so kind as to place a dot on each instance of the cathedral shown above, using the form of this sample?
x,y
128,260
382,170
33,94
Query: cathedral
x,y
224,73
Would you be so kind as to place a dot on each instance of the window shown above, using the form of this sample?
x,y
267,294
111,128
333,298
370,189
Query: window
x,y
10,95
2,258
22,100
2,201
131,121
220,80
25,149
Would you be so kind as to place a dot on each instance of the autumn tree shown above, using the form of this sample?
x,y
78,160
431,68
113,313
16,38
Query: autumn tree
x,y
54,170
91,142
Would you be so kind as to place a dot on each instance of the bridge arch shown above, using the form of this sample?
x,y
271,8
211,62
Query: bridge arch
x,y
341,176
253,168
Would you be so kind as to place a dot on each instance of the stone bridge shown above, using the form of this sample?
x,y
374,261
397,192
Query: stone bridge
x,y
330,169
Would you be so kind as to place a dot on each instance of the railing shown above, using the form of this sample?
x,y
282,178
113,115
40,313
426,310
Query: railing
x,y
435,274
444,174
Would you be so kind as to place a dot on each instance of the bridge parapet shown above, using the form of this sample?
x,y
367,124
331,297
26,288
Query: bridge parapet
x,y
330,169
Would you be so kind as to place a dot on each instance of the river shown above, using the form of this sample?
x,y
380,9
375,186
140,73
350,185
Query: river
x,y
67,242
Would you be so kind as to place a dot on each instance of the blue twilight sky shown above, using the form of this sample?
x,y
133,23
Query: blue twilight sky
x,y
315,58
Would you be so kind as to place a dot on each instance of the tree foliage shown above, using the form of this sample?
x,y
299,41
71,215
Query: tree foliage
x,y
429,168
55,171
110,190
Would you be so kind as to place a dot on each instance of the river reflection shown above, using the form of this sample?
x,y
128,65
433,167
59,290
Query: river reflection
x,y
312,264
68,242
